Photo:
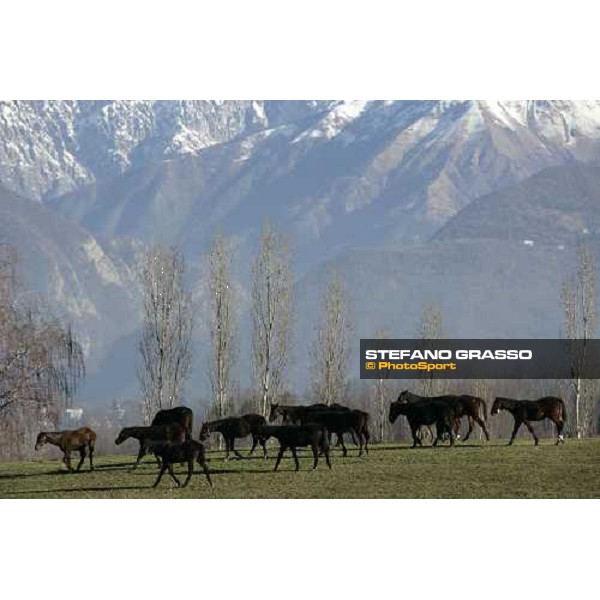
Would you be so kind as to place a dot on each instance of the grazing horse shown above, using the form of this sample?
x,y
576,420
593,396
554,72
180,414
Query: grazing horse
x,y
425,412
83,439
293,436
186,452
472,407
524,411
152,436
236,427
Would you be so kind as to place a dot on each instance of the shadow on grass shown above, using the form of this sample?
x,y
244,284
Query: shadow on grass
x,y
78,490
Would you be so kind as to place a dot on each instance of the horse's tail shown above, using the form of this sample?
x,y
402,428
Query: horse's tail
x,y
563,410
483,406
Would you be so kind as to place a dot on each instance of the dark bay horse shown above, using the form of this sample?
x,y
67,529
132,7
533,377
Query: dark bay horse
x,y
82,439
294,436
355,422
232,428
425,412
524,411
180,415
472,407
189,451
295,414
152,436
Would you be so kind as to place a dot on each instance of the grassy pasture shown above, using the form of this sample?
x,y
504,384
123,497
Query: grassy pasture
x,y
477,470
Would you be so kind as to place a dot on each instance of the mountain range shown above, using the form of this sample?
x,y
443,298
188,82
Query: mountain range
x,y
476,206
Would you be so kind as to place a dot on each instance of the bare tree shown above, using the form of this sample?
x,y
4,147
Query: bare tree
x,y
431,328
383,390
329,354
40,359
272,306
579,304
222,325
165,342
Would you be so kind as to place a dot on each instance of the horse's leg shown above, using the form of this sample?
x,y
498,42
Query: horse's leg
x,y
254,443
91,455
450,434
530,427
202,462
236,452
263,443
344,449
67,460
415,435
163,468
279,456
481,424
469,432
172,474
190,464
293,449
367,437
81,458
141,454
360,441
560,424
327,457
226,448
514,433
315,450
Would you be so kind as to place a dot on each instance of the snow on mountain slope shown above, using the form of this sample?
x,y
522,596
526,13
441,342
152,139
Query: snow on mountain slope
x,y
355,173
51,147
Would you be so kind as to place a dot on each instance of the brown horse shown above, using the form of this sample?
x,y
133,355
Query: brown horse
x,y
524,411
82,439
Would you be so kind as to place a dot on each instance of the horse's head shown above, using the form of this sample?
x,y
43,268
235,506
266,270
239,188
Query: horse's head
x,y
498,405
123,435
204,431
396,408
42,438
275,412
405,397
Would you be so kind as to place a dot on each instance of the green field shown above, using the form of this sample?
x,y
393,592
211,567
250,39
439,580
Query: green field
x,y
486,470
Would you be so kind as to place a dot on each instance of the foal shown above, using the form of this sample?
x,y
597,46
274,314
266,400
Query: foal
x,y
188,452
82,439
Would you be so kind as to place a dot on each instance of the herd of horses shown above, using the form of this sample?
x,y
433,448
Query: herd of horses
x,y
169,436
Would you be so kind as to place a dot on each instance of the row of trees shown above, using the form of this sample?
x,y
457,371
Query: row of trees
x,y
165,343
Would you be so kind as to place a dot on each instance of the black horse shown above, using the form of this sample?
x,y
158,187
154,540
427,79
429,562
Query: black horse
x,y
232,428
294,436
524,411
